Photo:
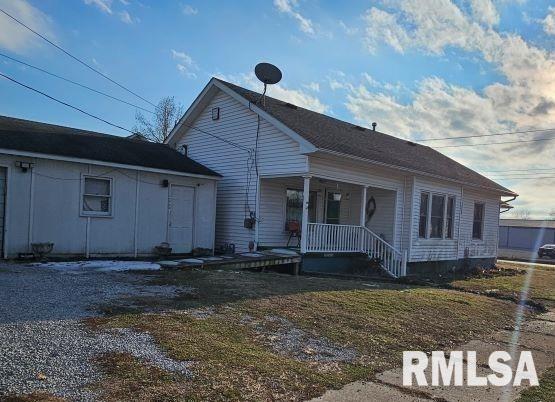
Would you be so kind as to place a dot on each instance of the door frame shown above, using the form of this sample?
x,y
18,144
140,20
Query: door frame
x,y
326,192
194,207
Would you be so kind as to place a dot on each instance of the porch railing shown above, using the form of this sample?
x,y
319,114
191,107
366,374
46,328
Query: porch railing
x,y
329,238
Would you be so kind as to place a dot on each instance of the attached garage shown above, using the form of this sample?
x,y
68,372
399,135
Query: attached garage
x,y
94,194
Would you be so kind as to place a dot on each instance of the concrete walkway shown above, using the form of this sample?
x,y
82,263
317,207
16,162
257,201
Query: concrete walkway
x,y
537,335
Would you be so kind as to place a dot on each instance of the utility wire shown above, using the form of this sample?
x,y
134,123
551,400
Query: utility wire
x,y
75,83
66,104
516,170
494,143
113,124
486,135
76,58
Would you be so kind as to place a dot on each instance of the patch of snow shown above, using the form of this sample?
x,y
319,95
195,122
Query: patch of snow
x,y
284,251
252,255
100,266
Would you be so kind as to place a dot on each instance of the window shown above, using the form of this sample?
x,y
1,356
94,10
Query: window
x,y
450,217
423,224
97,196
436,220
478,224
437,216
294,206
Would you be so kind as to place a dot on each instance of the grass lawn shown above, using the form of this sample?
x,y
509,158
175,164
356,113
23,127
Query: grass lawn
x,y
267,336
544,392
542,283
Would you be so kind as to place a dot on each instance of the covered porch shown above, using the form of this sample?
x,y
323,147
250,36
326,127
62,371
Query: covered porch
x,y
322,215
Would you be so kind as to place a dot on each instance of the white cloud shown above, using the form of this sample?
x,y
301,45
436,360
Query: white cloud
x,y
125,17
16,38
103,5
125,2
185,64
187,9
485,11
313,86
524,99
289,7
549,22
279,91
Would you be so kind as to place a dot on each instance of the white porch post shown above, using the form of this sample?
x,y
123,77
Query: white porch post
x,y
304,227
362,215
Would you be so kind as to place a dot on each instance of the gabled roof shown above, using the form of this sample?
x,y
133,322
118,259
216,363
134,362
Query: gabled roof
x,y
48,139
328,134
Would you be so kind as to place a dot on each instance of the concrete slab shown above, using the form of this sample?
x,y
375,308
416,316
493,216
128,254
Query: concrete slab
x,y
452,393
528,340
168,264
191,261
367,391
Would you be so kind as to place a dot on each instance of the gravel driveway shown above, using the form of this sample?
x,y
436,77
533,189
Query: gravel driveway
x,y
46,347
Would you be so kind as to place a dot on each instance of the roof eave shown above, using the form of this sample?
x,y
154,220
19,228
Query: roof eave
x,y
416,171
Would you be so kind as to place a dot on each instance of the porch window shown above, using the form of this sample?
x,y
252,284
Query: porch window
x,y
478,223
436,220
96,196
450,217
294,206
423,224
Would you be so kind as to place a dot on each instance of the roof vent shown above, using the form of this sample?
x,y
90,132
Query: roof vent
x,y
291,106
374,124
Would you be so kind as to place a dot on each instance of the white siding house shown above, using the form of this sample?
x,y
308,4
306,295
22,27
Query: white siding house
x,y
91,207
349,189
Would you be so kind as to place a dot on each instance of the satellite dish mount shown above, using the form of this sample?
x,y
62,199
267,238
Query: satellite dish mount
x,y
268,74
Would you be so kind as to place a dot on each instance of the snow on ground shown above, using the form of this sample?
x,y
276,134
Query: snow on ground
x,y
100,266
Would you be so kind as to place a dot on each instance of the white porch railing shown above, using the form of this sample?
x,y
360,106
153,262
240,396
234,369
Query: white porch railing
x,y
328,238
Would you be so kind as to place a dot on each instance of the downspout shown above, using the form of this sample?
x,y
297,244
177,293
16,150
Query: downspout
x,y
31,209
460,219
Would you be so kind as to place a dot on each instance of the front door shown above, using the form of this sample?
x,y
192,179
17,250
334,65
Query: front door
x,y
333,207
180,218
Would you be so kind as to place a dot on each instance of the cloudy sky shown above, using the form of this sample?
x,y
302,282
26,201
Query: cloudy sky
x,y
421,69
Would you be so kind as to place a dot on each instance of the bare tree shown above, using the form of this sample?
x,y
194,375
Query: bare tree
x,y
157,128
523,214
551,215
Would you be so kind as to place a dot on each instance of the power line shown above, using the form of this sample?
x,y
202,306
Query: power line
x,y
76,58
525,178
494,143
113,124
65,103
75,83
487,135
516,170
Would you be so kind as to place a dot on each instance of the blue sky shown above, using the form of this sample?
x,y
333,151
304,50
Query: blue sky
x,y
421,69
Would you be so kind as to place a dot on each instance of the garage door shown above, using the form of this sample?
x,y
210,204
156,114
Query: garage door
x,y
2,208
180,222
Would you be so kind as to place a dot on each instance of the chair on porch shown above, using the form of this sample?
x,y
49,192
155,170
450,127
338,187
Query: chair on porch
x,y
294,229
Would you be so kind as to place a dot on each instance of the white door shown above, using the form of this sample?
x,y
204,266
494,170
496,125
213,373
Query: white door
x,y
180,218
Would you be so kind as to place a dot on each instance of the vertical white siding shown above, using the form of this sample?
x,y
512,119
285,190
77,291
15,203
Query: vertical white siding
x,y
277,154
383,220
57,201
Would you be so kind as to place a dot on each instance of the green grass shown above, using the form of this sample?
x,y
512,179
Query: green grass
x,y
545,392
235,360
542,283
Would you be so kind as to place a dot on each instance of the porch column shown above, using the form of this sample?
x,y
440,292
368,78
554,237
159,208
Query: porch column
x,y
362,215
363,206
304,227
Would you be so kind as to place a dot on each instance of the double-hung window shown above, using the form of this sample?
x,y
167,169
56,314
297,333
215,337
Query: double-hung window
x,y
478,222
96,196
437,216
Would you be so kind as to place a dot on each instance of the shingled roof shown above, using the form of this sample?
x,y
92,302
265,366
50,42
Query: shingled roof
x,y
42,138
329,134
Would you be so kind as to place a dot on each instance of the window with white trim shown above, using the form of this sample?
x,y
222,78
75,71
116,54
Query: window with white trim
x,y
96,196
478,221
437,216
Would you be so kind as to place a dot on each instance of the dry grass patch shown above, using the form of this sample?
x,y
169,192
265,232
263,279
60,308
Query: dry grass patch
x,y
236,354
542,283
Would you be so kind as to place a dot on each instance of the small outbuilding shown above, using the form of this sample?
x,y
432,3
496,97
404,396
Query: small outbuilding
x,y
93,194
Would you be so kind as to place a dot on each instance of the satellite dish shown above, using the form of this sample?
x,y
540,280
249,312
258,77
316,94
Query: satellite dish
x,y
267,73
